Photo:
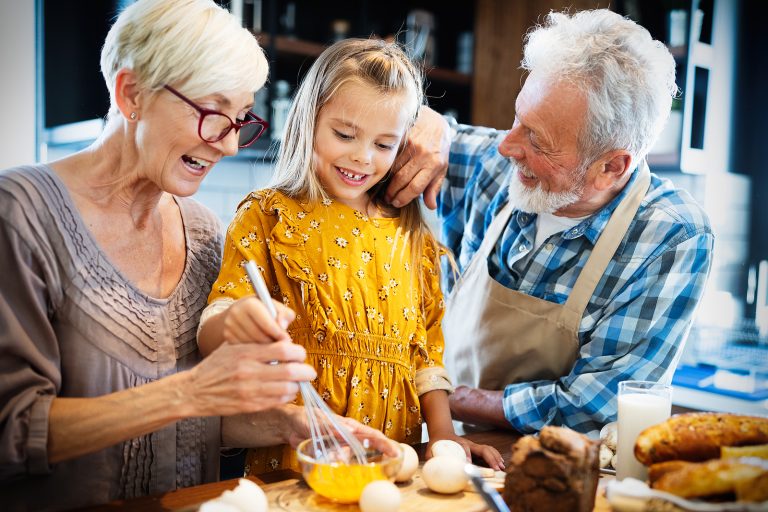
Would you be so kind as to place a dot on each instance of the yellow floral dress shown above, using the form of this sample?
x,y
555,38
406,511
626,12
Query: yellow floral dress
x,y
372,335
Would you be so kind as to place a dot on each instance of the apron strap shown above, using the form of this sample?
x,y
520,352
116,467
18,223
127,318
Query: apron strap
x,y
604,249
495,229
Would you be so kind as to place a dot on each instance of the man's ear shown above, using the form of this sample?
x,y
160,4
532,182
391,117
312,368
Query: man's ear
x,y
128,94
612,168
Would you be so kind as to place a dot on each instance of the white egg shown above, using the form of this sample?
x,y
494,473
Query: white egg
x,y
247,497
410,463
450,448
380,496
445,474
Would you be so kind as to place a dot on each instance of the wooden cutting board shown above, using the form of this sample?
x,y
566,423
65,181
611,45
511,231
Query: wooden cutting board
x,y
295,495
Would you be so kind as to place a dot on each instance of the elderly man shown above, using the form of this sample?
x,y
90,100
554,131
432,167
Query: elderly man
x,y
579,268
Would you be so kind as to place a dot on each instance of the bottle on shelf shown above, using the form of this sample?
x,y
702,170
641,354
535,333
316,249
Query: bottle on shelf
x,y
340,29
464,52
420,37
280,106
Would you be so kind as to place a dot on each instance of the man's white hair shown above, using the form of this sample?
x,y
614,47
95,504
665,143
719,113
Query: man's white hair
x,y
627,76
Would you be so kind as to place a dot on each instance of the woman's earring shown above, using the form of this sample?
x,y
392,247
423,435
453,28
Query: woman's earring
x,y
133,116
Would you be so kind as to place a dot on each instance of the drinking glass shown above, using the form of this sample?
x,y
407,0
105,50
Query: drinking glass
x,y
641,405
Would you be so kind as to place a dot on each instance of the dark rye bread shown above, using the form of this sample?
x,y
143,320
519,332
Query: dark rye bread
x,y
558,471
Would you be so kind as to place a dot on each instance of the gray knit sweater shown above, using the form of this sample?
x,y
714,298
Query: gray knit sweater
x,y
72,326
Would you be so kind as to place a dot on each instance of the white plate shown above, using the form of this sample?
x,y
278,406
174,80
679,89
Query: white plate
x,y
631,495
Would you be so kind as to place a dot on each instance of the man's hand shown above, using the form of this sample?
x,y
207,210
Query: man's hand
x,y
478,406
422,165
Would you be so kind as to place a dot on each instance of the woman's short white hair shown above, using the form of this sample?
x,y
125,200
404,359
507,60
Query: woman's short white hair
x,y
627,76
194,45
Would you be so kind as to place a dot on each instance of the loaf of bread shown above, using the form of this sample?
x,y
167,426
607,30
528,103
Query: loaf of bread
x,y
698,436
656,471
741,479
558,471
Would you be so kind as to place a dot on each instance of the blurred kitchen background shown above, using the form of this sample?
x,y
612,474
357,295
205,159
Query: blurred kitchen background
x,y
714,144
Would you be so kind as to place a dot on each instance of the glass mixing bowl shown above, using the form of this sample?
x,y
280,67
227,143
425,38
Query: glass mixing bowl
x,y
343,482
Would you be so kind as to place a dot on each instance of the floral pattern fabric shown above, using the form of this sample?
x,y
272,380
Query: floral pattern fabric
x,y
370,330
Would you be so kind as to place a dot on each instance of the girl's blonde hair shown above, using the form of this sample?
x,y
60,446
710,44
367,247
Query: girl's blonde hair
x,y
194,45
369,62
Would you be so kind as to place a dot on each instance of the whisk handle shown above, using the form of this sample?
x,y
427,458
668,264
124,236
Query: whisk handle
x,y
260,286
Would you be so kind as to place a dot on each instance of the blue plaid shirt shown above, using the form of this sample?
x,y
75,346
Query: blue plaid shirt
x,y
641,311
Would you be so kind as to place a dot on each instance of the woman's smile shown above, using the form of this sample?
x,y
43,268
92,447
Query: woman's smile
x,y
196,166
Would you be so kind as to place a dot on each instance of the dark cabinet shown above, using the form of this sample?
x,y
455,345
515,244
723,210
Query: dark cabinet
x,y
295,33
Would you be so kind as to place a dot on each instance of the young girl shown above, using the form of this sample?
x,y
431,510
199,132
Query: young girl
x,y
362,277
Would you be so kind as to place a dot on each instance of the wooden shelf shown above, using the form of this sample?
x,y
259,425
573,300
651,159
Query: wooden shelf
x,y
291,45
448,75
294,46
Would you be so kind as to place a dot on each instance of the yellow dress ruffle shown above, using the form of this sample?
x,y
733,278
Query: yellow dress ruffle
x,y
359,308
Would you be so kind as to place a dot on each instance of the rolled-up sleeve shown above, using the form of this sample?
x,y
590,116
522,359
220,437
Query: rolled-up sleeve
x,y
640,337
30,373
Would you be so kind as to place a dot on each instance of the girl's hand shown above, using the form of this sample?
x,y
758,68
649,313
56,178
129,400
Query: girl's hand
x,y
242,378
247,320
488,453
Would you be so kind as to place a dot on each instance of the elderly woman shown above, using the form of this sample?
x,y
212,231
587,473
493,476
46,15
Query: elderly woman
x,y
106,267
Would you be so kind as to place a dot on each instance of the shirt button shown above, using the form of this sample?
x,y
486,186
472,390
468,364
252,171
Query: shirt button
x,y
550,246
523,218
522,248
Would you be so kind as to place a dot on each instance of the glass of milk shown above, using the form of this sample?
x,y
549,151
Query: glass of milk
x,y
641,404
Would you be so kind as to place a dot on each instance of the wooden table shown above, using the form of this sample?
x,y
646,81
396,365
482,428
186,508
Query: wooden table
x,y
187,499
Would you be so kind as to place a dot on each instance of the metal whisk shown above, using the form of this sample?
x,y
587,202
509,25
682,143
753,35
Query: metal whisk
x,y
332,441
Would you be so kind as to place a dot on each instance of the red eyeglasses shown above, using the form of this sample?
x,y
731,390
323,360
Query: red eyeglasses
x,y
214,125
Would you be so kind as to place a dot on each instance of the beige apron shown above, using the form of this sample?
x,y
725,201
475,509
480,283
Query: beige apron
x,y
495,336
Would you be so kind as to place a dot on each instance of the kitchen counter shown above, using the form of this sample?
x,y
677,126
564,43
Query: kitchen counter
x,y
699,399
706,387
187,499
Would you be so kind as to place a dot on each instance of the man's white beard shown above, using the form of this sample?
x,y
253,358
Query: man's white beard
x,y
536,199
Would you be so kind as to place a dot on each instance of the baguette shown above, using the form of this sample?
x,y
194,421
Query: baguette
x,y
656,471
698,436
732,452
753,490
714,478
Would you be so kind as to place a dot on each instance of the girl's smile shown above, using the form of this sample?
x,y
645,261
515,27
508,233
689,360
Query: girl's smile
x,y
351,178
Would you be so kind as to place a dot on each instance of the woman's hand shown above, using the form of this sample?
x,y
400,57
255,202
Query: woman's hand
x,y
488,453
248,320
299,430
422,165
243,378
